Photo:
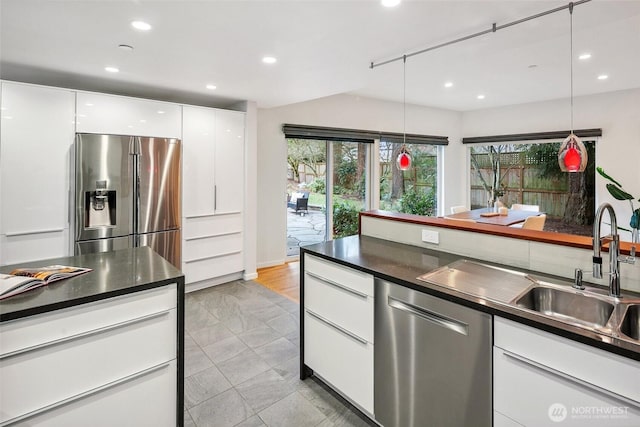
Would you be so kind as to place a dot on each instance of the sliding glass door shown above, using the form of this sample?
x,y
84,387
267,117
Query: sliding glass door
x,y
333,178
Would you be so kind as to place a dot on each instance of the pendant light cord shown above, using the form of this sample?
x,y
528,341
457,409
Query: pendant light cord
x,y
404,101
571,50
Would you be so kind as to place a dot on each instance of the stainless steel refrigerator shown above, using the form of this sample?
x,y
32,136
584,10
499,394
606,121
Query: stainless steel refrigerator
x,y
127,194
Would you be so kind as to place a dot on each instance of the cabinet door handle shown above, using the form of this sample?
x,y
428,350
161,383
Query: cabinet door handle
x,y
571,378
338,285
430,316
336,327
85,394
31,232
215,198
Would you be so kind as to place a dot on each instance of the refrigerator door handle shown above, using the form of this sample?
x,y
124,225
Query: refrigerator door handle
x,y
136,188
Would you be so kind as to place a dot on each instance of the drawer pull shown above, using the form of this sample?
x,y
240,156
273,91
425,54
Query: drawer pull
x,y
338,285
84,334
571,378
212,257
212,214
430,316
336,327
208,236
85,394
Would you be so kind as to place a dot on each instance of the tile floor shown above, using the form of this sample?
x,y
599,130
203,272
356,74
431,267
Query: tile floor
x,y
242,363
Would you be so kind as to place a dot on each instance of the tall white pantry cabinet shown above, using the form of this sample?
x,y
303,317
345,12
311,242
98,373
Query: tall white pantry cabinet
x,y
37,133
36,137
213,196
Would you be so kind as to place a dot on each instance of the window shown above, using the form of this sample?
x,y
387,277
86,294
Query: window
x,y
528,173
412,191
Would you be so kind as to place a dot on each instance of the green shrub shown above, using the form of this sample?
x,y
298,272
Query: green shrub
x,y
418,203
345,219
318,186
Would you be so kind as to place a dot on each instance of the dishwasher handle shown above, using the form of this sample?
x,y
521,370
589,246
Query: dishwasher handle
x,y
430,316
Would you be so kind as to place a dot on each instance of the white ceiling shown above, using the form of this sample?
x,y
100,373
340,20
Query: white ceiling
x,y
323,48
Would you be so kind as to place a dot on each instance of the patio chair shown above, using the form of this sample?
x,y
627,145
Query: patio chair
x,y
521,207
299,202
534,222
458,209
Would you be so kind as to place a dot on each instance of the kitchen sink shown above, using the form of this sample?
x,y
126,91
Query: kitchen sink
x,y
630,325
572,307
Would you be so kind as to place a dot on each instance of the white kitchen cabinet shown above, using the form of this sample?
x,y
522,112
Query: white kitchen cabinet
x,y
36,137
55,366
541,378
213,193
338,328
120,115
229,161
198,154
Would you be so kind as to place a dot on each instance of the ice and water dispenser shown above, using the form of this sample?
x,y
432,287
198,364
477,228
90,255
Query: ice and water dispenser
x,y
100,206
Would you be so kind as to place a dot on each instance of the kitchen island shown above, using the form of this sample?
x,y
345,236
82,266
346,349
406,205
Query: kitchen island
x,y
102,348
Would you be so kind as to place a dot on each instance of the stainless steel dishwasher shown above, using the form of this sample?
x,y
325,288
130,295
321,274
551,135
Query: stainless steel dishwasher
x,y
432,361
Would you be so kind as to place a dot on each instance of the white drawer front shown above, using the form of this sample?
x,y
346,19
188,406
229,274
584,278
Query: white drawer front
x,y
601,368
341,360
341,305
46,375
196,249
356,280
147,400
213,267
211,225
35,330
527,394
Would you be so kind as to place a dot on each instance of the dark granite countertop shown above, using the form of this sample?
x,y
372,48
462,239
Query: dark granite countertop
x,y
402,264
113,274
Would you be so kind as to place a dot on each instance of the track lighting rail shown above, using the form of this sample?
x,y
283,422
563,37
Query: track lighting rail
x,y
493,29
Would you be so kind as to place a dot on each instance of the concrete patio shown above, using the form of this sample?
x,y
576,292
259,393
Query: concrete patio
x,y
304,229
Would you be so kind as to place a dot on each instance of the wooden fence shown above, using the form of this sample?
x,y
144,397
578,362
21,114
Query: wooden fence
x,y
522,183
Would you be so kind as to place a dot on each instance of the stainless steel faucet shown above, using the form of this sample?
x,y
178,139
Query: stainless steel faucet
x,y
614,250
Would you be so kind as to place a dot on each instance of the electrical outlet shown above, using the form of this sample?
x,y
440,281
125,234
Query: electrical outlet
x,y
429,236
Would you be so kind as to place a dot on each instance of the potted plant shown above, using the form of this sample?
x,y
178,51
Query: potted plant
x,y
618,193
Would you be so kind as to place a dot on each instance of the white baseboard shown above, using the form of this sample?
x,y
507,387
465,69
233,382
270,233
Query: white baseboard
x,y
270,263
196,286
250,276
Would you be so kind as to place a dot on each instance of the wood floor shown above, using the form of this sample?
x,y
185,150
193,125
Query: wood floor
x,y
283,279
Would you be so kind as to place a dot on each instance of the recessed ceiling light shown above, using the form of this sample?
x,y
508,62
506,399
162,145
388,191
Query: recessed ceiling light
x,y
269,60
584,56
603,77
88,104
211,87
480,96
160,112
125,47
448,84
111,69
141,25
390,3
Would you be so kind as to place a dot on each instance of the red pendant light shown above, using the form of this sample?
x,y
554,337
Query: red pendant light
x,y
404,159
572,156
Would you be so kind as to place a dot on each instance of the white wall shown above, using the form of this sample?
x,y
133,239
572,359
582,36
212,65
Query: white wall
x,y
618,151
345,111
